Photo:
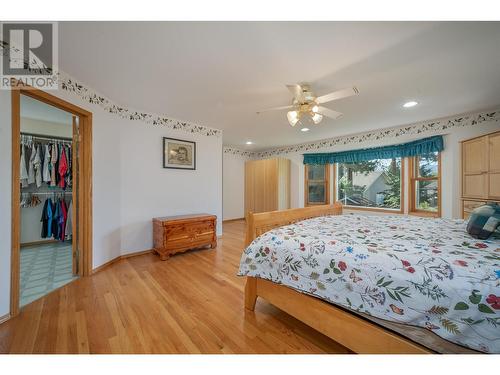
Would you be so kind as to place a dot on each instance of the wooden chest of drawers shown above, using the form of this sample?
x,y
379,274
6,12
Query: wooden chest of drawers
x,y
480,172
175,234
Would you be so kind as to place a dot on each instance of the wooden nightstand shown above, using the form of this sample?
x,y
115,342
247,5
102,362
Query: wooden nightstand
x,y
176,234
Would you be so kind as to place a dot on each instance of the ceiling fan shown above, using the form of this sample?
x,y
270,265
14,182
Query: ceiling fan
x,y
306,103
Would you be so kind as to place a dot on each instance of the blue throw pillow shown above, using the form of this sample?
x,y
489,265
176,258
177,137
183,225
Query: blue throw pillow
x,y
484,220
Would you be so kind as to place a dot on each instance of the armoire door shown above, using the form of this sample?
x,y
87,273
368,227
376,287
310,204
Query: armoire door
x,y
475,168
494,166
260,186
267,185
248,187
271,185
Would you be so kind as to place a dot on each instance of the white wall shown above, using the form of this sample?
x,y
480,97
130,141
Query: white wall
x,y
130,187
233,191
5,203
36,126
148,190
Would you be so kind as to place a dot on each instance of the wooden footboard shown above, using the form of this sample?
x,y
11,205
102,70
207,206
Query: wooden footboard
x,y
344,327
348,329
260,223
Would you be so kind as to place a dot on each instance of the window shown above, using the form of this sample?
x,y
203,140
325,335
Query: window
x,y
316,185
425,184
373,184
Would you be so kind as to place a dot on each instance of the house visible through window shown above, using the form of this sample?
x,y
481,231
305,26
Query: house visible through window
x,y
425,183
372,184
316,184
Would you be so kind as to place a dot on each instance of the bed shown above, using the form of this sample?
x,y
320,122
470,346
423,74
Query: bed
x,y
377,284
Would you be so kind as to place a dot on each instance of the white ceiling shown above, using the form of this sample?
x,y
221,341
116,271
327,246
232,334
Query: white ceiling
x,y
219,74
37,110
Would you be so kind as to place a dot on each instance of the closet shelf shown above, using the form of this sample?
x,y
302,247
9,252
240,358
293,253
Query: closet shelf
x,y
47,138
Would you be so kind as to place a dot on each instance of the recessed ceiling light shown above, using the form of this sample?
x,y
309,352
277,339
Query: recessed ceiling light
x,y
304,129
410,104
249,143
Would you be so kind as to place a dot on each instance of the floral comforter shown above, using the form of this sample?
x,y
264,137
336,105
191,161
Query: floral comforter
x,y
418,271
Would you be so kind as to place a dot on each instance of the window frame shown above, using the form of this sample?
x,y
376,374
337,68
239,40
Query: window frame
x,y
413,178
326,181
401,210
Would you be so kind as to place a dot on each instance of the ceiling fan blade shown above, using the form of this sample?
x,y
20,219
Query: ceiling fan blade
x,y
329,113
276,108
296,90
344,93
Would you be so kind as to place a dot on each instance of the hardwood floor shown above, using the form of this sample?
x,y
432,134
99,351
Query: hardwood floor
x,y
192,303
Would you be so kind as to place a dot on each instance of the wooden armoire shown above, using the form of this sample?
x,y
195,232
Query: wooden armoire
x,y
480,172
267,185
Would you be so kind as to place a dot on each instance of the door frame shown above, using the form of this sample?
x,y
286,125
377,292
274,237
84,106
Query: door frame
x,y
84,229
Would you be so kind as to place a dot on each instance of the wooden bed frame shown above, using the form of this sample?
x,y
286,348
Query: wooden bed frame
x,y
346,328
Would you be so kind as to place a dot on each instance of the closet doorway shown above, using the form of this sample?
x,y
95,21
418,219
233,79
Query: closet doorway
x,y
51,194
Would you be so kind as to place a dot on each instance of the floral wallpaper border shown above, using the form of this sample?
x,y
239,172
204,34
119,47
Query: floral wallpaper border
x,y
85,93
438,126
69,84
238,152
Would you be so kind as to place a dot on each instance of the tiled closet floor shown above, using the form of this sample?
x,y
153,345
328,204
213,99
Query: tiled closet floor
x,y
44,268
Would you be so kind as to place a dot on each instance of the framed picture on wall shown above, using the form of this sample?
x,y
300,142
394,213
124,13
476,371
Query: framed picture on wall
x,y
179,154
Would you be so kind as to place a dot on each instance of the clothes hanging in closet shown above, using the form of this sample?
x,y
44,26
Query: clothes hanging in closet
x,y
46,163
62,219
62,168
69,173
50,163
31,166
55,220
46,219
53,162
55,217
37,166
23,170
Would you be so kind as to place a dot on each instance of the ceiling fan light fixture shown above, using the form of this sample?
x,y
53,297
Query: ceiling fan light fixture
x,y
317,118
293,117
306,103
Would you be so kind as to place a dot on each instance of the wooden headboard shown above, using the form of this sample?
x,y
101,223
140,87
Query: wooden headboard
x,y
260,223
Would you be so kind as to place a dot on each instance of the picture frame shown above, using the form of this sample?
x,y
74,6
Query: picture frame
x,y
179,154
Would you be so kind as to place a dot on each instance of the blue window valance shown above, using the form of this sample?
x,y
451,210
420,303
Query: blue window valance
x,y
415,148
